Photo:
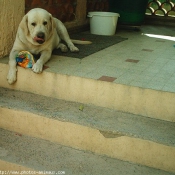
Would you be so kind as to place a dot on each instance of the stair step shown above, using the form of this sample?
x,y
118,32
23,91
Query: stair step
x,y
110,123
125,136
33,154
135,100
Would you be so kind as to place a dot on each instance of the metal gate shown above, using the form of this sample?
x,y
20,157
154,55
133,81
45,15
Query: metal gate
x,y
164,8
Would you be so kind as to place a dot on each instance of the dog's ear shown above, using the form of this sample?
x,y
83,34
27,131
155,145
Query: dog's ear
x,y
52,22
24,25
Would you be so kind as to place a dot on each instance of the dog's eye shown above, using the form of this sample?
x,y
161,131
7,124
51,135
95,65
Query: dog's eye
x,y
44,23
33,24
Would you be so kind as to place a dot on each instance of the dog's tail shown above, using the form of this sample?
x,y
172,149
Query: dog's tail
x,y
81,42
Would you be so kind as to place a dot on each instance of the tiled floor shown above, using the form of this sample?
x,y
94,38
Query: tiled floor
x,y
142,60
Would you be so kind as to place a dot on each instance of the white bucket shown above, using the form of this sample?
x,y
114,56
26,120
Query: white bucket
x,y
103,23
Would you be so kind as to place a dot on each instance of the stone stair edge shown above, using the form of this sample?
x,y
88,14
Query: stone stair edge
x,y
34,154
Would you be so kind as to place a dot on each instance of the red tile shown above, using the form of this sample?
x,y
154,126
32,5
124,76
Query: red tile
x,y
132,61
45,67
148,50
106,78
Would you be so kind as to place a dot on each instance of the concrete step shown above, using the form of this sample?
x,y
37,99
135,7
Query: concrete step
x,y
29,155
136,100
129,137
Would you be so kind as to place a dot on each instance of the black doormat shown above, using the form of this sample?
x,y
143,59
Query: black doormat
x,y
99,42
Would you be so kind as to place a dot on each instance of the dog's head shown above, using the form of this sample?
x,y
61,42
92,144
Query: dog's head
x,y
38,26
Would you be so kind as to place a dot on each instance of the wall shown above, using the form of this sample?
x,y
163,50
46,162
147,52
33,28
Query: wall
x,y
11,14
63,10
97,5
71,12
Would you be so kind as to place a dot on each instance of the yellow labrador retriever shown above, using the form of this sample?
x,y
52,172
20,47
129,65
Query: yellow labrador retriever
x,y
39,33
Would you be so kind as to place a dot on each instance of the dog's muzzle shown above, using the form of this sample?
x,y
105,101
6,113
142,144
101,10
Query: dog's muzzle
x,y
40,38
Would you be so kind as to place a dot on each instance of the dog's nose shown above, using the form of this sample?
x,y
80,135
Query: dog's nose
x,y
41,35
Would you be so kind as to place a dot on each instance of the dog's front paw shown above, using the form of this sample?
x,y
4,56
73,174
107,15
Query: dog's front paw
x,y
74,49
37,67
11,77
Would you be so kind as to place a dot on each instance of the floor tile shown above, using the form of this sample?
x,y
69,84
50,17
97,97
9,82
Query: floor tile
x,y
148,50
106,78
132,60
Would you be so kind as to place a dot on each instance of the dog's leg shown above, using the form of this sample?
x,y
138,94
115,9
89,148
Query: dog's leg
x,y
11,77
66,38
62,47
63,34
38,66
